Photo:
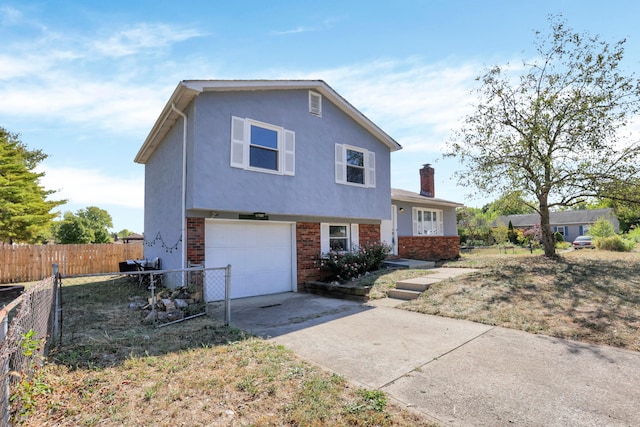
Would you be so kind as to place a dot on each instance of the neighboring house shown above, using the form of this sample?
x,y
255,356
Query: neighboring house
x,y
265,176
422,226
570,224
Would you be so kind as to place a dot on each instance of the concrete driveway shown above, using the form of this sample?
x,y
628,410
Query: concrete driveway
x,y
455,372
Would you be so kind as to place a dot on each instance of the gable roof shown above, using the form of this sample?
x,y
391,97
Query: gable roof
x,y
588,216
411,197
187,90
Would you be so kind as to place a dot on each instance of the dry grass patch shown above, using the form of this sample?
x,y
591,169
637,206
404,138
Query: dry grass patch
x,y
591,296
111,370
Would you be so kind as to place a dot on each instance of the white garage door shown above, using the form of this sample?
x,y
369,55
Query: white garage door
x,y
260,254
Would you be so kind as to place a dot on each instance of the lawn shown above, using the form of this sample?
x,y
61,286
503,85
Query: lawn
x,y
587,295
112,370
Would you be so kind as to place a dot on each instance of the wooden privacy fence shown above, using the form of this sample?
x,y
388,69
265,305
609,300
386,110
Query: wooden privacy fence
x,y
27,263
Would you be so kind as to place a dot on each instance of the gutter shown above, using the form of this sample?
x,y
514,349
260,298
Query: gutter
x,y
184,186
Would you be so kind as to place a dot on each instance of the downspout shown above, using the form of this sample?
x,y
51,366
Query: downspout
x,y
184,185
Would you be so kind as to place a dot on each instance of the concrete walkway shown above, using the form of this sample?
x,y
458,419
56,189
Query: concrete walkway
x,y
455,372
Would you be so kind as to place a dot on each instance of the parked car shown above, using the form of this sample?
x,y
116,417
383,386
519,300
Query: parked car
x,y
583,242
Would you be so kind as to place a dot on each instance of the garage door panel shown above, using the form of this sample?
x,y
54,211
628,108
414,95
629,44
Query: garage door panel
x,y
260,254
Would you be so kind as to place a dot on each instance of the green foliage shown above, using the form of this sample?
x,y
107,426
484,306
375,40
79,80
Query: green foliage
x,y
569,103
615,243
370,400
25,212
559,237
602,228
344,266
88,225
634,234
473,225
510,202
500,234
31,383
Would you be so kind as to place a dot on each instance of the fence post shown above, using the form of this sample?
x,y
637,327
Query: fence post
x,y
56,312
227,295
6,390
152,286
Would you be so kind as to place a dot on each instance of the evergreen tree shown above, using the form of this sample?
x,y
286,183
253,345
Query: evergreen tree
x,y
25,212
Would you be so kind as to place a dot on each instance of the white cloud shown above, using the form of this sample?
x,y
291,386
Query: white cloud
x,y
142,38
92,187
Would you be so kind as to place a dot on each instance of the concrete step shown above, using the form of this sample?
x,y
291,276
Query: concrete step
x,y
404,294
408,286
408,263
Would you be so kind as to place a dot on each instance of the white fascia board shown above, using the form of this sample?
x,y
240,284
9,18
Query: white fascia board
x,y
181,97
427,202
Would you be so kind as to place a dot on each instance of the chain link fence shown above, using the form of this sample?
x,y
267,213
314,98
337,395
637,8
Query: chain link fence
x,y
28,323
107,318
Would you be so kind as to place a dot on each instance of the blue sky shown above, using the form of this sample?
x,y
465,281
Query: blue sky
x,y
85,80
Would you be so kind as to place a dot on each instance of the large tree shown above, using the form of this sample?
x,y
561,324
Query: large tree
x,y
555,132
25,212
89,225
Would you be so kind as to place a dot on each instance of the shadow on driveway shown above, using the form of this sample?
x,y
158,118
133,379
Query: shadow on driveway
x,y
278,314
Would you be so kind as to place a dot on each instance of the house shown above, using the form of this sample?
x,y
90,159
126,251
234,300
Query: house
x,y
264,175
425,226
570,224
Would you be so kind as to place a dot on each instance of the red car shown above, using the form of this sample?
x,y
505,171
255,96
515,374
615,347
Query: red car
x,y
583,242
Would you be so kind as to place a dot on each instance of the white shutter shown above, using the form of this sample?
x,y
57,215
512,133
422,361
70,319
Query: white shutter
x,y
371,169
355,237
237,142
440,224
289,153
324,238
340,165
414,217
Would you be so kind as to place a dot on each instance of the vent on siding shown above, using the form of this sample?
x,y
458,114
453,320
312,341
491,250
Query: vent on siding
x,y
315,104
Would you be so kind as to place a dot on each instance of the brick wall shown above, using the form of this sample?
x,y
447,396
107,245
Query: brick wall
x,y
195,240
308,252
368,233
429,248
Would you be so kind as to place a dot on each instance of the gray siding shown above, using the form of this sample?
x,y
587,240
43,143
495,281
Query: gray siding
x,y
162,201
214,185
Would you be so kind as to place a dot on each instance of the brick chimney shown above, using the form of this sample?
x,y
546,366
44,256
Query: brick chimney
x,y
427,187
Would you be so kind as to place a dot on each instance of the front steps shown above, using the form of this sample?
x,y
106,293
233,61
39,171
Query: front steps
x,y
411,288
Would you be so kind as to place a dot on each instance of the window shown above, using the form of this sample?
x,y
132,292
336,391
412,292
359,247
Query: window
x,y
355,166
562,230
315,104
427,222
338,237
262,147
584,230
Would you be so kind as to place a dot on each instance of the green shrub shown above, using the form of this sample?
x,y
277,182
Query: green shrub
x,y
558,236
614,243
602,228
345,266
634,234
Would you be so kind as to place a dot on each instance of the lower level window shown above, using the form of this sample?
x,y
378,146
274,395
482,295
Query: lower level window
x,y
339,238
427,222
561,230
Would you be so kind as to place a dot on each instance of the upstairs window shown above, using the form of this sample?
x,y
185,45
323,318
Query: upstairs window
x,y
355,166
262,147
